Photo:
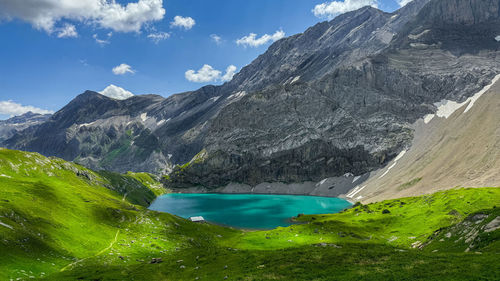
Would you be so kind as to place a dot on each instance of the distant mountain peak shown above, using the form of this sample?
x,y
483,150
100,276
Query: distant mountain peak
x,y
339,98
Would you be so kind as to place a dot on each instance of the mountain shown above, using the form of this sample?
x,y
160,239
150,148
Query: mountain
x,y
339,99
327,118
18,123
458,146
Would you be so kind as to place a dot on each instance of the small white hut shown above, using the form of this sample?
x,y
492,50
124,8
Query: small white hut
x,y
197,219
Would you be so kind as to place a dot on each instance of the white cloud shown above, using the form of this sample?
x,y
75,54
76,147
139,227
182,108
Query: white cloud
x,y
13,109
403,3
252,40
216,38
46,14
184,22
230,72
205,74
208,74
158,36
102,42
68,30
116,92
123,69
334,8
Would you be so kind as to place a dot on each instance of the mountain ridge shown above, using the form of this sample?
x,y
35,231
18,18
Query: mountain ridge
x,y
339,98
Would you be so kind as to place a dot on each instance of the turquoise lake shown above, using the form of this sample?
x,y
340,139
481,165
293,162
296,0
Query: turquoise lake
x,y
246,210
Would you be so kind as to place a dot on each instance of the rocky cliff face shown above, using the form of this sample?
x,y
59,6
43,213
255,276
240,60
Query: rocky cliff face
x,y
339,98
18,123
349,106
137,134
458,146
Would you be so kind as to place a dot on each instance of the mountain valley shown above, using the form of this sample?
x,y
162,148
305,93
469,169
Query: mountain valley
x,y
396,114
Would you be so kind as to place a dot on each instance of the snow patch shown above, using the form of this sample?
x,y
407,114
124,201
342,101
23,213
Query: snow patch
x,y
355,191
428,118
446,107
388,169
497,38
474,98
161,122
295,79
214,99
400,155
87,124
237,95
321,182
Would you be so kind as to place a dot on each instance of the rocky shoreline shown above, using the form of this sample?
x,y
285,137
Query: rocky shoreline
x,y
329,187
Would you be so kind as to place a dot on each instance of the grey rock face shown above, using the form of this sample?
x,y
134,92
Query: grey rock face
x,y
137,134
16,124
338,98
347,107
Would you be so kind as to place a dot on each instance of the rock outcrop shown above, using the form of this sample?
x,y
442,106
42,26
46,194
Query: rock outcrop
x,y
18,123
338,99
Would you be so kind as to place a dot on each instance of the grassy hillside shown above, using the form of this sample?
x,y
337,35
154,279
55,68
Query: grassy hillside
x,y
59,221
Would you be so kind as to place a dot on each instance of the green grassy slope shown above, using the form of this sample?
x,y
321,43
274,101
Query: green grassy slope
x,y
53,212
60,221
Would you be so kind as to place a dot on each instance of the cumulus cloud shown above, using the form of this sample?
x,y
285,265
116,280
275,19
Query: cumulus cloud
x,y
123,69
158,36
116,92
67,31
183,22
208,74
216,38
46,14
403,3
251,40
334,8
13,109
230,72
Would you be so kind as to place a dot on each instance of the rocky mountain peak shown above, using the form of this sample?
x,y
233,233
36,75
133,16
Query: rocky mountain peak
x,y
339,98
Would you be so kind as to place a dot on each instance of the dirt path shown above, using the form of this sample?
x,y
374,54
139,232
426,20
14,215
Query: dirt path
x,y
98,254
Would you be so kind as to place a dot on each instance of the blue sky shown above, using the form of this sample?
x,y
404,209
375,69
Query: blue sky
x,y
49,54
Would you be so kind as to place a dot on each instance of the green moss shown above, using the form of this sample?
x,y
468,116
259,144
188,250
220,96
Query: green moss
x,y
409,184
150,181
198,158
124,148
